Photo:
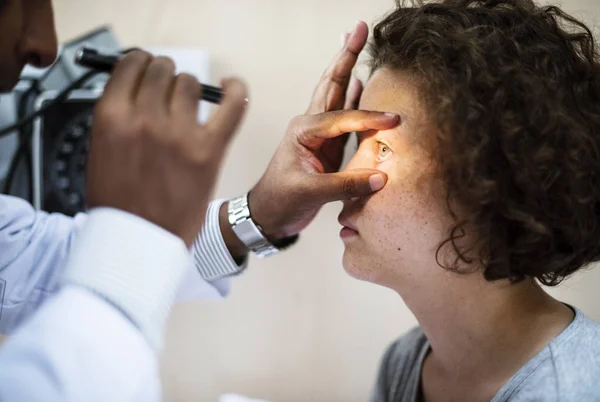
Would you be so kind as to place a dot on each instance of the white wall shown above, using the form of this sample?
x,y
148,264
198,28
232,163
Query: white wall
x,y
295,328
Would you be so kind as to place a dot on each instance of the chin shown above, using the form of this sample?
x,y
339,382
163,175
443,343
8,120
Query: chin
x,y
359,267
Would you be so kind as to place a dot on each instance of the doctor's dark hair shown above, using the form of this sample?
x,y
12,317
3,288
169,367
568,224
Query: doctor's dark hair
x,y
513,92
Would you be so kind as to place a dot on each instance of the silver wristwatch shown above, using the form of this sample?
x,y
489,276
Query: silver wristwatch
x,y
246,229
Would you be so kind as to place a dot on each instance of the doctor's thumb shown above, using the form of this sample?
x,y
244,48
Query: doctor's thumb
x,y
348,184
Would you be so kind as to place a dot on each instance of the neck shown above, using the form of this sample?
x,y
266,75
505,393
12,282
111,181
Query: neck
x,y
471,322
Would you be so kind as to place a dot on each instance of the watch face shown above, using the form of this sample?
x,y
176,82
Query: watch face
x,y
66,145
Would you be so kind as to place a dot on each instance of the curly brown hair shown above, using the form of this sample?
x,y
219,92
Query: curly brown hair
x,y
513,90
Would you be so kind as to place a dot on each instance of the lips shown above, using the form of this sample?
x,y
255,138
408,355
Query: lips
x,y
345,221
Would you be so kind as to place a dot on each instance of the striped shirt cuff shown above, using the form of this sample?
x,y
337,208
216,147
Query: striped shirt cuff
x,y
210,253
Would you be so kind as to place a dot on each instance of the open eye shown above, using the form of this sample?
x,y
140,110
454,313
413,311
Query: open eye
x,y
383,152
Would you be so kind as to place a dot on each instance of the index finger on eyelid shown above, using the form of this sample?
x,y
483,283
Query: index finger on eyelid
x,y
314,130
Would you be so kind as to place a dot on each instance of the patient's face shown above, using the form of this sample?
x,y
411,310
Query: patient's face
x,y
398,229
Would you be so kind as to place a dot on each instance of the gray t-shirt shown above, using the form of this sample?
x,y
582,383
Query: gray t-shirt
x,y
567,369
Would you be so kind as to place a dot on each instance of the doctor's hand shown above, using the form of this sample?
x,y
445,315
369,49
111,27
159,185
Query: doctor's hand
x,y
149,155
304,173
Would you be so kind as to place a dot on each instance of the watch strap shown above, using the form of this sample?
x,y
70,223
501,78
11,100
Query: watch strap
x,y
246,229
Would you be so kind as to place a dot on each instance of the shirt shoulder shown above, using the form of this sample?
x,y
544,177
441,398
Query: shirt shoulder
x,y
568,369
400,369
576,361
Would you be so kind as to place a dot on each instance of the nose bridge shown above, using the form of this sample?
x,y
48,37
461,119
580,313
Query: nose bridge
x,y
361,159
40,42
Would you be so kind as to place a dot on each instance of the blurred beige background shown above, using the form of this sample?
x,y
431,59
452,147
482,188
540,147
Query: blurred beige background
x,y
295,327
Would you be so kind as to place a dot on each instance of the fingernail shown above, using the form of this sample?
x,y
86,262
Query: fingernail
x,y
376,182
395,116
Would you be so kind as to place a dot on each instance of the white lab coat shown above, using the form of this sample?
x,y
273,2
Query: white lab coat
x,y
79,346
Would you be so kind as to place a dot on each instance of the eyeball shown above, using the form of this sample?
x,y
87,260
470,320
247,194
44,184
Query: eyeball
x,y
384,151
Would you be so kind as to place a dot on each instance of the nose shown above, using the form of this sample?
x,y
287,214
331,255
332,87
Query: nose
x,y
39,45
362,159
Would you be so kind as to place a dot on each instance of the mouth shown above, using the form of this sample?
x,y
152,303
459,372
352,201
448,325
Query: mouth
x,y
348,228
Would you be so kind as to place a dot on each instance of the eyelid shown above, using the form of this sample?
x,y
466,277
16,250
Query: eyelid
x,y
380,142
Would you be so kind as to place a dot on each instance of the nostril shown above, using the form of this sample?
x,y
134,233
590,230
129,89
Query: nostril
x,y
40,60
35,60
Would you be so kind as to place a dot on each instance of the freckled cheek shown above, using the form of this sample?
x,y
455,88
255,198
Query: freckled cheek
x,y
400,184
402,205
387,212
